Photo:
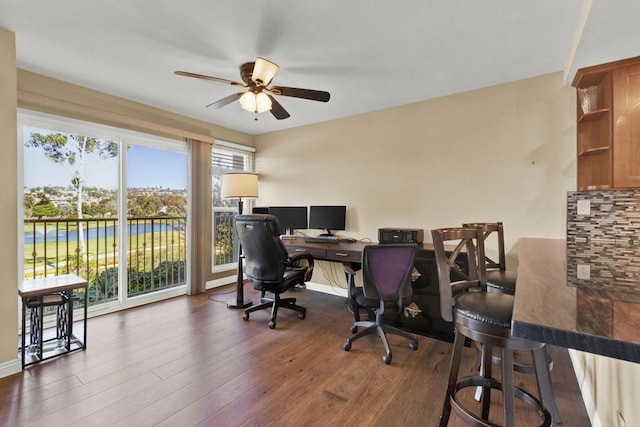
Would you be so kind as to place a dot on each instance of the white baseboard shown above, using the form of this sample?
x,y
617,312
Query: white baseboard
x,y
586,389
10,367
220,282
313,286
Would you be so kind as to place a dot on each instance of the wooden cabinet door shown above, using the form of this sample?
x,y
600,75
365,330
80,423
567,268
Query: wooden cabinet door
x,y
626,124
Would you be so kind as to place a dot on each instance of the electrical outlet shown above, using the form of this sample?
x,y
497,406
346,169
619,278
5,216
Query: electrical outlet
x,y
584,207
584,271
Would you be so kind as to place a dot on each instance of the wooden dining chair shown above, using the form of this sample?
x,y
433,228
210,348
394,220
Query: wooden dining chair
x,y
498,278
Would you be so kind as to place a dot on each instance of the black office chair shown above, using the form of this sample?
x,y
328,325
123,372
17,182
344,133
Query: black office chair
x,y
484,317
268,265
386,287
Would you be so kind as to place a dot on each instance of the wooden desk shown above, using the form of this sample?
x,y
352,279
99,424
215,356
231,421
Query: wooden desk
x,y
548,309
348,253
50,291
427,320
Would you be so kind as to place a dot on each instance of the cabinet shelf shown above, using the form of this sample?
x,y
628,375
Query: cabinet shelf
x,y
594,115
608,138
592,151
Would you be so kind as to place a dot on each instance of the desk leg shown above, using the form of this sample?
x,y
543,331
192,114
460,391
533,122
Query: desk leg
x,y
69,319
38,329
86,300
24,330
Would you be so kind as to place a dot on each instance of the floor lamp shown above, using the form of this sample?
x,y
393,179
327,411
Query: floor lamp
x,y
239,186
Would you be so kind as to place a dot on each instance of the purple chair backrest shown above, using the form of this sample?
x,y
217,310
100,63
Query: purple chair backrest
x,y
387,269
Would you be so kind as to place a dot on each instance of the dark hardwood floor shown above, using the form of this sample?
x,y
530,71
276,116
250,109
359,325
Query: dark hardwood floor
x,y
191,361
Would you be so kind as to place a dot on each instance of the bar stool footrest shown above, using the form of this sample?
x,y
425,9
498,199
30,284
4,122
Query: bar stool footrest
x,y
476,381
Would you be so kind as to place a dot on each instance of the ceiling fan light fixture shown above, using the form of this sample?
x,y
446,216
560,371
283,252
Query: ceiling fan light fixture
x,y
263,102
255,102
263,71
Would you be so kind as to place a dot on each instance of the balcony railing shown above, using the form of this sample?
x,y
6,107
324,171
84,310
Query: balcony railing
x,y
155,253
224,249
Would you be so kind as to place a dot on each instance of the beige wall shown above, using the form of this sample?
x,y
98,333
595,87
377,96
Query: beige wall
x,y
8,215
504,153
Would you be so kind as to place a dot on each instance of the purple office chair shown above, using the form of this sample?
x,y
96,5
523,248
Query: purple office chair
x,y
386,285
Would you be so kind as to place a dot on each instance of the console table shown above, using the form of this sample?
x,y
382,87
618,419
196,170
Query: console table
x,y
549,309
426,320
50,291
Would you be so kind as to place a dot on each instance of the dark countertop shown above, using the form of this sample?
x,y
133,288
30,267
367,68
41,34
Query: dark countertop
x,y
549,310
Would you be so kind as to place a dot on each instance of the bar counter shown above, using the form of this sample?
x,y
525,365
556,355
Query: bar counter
x,y
550,310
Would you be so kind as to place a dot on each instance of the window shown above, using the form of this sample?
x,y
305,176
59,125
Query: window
x,y
226,157
107,204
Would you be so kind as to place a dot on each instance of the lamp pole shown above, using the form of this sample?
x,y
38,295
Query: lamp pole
x,y
239,301
236,186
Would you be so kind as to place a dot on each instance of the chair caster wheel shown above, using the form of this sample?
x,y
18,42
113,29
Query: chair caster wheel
x,y
413,345
354,329
245,316
272,325
347,346
386,358
301,316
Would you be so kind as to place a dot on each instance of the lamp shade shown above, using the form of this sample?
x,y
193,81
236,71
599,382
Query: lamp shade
x,y
255,102
239,185
263,71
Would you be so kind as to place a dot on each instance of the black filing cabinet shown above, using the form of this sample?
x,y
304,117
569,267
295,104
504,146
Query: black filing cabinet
x,y
422,315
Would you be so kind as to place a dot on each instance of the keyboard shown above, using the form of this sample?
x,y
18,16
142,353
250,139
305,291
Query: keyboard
x,y
325,240
320,240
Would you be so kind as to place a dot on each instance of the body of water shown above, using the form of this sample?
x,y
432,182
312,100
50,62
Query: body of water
x,y
53,235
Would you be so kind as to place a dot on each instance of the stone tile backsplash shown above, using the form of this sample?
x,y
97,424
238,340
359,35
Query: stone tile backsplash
x,y
603,239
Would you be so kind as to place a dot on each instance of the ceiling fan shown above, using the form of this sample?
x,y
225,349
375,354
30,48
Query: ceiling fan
x,y
256,77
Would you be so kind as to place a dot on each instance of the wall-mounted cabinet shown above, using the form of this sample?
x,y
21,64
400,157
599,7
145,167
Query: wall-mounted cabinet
x,y
608,125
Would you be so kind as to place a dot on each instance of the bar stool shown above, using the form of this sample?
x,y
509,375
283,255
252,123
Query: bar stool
x,y
484,317
498,278
501,280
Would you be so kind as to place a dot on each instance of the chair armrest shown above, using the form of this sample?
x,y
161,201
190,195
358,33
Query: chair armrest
x,y
297,257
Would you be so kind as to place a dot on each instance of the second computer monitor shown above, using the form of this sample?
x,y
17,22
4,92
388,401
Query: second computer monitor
x,y
328,218
290,217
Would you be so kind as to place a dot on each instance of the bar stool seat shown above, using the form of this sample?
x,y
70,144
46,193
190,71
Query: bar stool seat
x,y
502,281
484,317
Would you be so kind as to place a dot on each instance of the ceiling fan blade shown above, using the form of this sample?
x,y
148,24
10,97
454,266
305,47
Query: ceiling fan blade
x,y
225,101
278,110
203,77
314,95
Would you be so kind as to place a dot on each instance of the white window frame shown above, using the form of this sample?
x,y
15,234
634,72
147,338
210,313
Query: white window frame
x,y
229,148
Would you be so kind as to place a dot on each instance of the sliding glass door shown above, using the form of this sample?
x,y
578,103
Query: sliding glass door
x,y
107,204
156,218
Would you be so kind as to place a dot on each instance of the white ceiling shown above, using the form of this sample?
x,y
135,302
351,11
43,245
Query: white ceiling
x,y
369,54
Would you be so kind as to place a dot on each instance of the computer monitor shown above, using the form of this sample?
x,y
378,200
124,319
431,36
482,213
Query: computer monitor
x,y
327,218
260,210
290,217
